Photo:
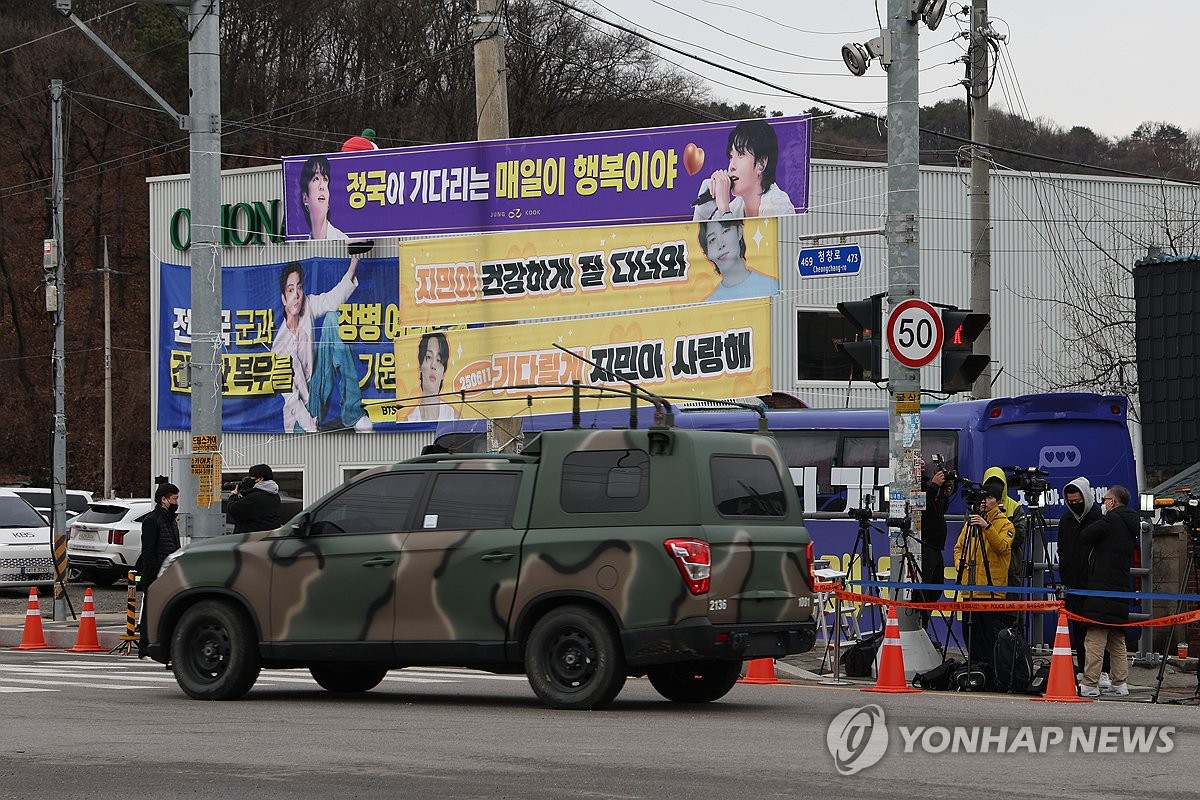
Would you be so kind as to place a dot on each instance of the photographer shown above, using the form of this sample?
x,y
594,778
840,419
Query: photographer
x,y
983,559
254,503
933,531
1019,517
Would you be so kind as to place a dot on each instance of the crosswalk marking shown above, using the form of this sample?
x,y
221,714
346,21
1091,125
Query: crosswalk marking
x,y
49,673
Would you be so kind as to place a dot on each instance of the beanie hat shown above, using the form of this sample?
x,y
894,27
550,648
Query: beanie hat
x,y
993,490
369,133
261,471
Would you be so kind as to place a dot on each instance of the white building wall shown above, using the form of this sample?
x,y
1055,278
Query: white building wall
x,y
1042,225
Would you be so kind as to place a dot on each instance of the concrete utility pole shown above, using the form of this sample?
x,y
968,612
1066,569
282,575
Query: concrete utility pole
x,y
107,278
204,122
491,72
980,192
904,283
56,307
204,73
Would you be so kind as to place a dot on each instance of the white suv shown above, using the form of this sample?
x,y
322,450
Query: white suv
x,y
106,540
24,544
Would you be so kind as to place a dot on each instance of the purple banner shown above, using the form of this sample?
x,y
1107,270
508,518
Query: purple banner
x,y
720,170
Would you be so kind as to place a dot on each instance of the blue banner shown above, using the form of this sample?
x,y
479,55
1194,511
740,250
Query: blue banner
x,y
307,346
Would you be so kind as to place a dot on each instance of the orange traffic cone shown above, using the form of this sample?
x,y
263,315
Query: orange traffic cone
x,y
760,670
891,660
1060,686
87,640
33,638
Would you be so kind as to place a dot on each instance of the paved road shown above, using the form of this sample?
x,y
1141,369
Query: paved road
x,y
108,727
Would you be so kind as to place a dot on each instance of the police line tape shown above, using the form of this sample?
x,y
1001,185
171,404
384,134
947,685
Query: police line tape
x,y
1003,605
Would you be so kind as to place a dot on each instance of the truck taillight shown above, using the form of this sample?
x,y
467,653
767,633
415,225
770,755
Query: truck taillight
x,y
117,537
694,560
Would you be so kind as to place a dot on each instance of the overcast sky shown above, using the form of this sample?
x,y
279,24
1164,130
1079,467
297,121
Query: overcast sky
x,y
1105,64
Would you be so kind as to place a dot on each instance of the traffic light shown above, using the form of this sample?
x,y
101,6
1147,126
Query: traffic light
x,y
867,318
960,366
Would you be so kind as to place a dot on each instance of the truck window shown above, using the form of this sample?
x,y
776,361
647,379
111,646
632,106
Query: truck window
x,y
605,481
465,500
747,486
375,505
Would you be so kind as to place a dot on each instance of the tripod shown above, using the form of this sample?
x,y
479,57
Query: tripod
x,y
1032,572
911,567
974,546
861,551
1190,569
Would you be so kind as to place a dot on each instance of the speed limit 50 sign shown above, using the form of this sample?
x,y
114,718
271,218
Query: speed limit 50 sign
x,y
914,333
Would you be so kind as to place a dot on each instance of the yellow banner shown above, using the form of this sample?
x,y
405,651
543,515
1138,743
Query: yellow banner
x,y
560,273
715,351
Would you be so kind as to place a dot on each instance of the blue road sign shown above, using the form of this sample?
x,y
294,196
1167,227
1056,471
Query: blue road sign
x,y
822,262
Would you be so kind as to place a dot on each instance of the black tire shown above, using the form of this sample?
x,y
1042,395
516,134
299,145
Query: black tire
x,y
104,579
214,652
695,681
347,679
573,659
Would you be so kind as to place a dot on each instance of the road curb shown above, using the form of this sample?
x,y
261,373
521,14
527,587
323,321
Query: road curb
x,y
62,635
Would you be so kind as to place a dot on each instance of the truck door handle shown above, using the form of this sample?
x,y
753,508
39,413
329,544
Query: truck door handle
x,y
496,556
381,561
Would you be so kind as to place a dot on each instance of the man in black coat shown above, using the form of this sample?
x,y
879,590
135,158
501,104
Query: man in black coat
x,y
1112,539
933,534
1073,555
160,538
254,503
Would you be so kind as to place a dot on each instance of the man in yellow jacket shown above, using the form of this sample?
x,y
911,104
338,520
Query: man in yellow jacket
x,y
981,558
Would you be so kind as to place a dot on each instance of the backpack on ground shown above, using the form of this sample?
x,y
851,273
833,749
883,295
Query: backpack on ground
x,y
939,677
860,656
1012,662
975,679
1041,676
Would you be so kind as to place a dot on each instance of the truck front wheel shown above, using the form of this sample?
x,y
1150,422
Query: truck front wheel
x,y
573,659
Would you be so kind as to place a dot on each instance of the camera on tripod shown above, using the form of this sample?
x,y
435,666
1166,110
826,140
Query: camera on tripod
x,y
1180,510
1031,482
864,514
973,494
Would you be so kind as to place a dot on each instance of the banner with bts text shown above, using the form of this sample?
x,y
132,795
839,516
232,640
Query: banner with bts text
x,y
719,350
307,346
559,273
753,168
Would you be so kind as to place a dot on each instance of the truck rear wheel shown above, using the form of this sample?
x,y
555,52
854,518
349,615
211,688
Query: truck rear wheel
x,y
573,659
695,681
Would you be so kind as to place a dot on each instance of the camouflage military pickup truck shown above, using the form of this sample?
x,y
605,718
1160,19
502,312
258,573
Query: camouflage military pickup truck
x,y
592,556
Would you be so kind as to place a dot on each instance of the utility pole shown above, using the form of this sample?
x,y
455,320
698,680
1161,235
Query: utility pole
x,y
55,305
107,274
204,74
204,123
904,283
491,73
980,191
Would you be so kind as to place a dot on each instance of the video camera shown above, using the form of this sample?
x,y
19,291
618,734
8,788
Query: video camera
x,y
1177,510
952,476
1030,481
864,514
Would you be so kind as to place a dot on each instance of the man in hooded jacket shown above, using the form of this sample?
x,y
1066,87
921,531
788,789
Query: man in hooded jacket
x,y
1112,539
1073,555
254,504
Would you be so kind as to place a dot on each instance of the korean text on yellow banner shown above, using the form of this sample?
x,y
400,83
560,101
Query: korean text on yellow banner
x,y
559,273
714,351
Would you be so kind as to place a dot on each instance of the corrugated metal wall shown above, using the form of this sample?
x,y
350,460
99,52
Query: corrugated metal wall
x,y
1052,234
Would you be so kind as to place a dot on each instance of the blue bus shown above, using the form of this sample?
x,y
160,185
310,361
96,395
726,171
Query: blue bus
x,y
839,459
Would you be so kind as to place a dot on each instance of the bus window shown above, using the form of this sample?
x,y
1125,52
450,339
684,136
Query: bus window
x,y
810,450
